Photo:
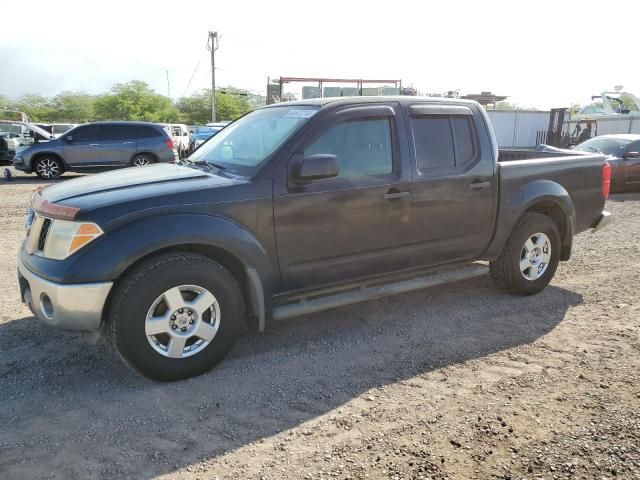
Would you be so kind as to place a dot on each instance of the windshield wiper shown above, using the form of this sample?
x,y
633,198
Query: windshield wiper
x,y
204,163
217,165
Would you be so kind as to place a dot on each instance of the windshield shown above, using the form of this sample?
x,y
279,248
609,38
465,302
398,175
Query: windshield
x,y
607,146
205,132
245,144
595,108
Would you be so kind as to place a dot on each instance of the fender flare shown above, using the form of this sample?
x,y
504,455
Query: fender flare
x,y
533,195
133,241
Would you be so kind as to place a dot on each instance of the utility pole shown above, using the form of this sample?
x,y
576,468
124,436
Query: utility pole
x,y
212,46
168,89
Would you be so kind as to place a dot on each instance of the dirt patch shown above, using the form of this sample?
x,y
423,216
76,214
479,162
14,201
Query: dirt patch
x,y
458,381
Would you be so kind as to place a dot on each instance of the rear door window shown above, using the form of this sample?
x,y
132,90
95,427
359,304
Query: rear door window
x,y
115,132
443,142
463,140
433,142
144,131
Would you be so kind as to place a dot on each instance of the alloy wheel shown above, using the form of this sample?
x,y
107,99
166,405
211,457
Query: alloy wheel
x,y
535,256
182,321
48,168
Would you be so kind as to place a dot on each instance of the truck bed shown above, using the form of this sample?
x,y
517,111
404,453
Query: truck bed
x,y
508,155
579,177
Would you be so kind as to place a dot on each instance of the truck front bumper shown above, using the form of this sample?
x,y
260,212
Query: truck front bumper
x,y
603,221
73,307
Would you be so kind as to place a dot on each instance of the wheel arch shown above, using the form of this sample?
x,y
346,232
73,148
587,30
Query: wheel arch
x,y
37,156
217,238
246,276
144,152
543,196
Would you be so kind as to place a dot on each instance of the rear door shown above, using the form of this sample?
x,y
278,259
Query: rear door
x,y
454,184
118,144
83,150
354,225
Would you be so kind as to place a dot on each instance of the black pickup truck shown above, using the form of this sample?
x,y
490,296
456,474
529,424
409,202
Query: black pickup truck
x,y
296,208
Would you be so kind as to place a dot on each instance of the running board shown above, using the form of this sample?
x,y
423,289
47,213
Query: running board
x,y
372,292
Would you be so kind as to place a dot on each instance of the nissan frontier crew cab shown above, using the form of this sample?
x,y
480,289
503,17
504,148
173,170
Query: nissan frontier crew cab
x,y
296,208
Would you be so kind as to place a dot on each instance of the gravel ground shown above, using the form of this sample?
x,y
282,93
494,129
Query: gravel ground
x,y
459,381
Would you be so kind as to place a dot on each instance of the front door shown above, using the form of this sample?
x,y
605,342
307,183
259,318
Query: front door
x,y
83,150
354,225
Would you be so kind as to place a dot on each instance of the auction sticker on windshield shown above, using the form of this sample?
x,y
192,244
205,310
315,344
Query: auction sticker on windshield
x,y
300,113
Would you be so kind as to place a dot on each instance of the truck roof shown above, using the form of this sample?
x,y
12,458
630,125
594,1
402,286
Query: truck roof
x,y
351,100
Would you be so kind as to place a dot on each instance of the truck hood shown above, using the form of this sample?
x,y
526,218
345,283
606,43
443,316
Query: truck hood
x,y
128,179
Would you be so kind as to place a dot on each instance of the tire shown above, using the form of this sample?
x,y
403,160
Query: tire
x,y
144,330
142,160
48,168
509,270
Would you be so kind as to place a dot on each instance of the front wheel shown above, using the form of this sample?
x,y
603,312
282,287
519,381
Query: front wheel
x,y
49,168
176,316
530,257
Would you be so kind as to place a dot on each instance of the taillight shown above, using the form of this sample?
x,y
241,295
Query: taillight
x,y
169,143
606,180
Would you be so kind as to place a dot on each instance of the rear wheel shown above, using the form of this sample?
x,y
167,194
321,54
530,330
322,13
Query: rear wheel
x,y
141,160
530,257
48,168
176,316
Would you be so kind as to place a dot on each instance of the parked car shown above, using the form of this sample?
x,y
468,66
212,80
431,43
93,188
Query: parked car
x,y
19,135
181,138
623,153
202,134
96,147
295,208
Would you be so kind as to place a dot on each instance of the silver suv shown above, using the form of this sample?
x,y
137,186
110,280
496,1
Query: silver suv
x,y
94,147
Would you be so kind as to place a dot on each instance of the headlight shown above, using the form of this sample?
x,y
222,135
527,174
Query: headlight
x,y
65,238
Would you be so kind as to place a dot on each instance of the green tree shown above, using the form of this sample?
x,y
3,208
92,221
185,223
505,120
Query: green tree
x,y
134,101
74,107
37,107
5,103
196,108
231,103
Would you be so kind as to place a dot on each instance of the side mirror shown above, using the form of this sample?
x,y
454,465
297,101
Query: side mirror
x,y
317,167
631,155
68,139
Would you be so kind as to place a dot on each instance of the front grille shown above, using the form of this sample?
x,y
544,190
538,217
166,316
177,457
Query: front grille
x,y
43,233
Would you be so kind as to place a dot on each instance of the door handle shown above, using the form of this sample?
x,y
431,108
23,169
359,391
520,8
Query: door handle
x,y
479,185
94,144
395,195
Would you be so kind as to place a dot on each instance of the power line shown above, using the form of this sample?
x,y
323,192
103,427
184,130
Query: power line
x,y
190,79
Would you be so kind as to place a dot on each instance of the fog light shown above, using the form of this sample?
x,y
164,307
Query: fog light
x,y
46,306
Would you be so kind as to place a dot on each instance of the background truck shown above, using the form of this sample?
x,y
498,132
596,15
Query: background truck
x,y
296,208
